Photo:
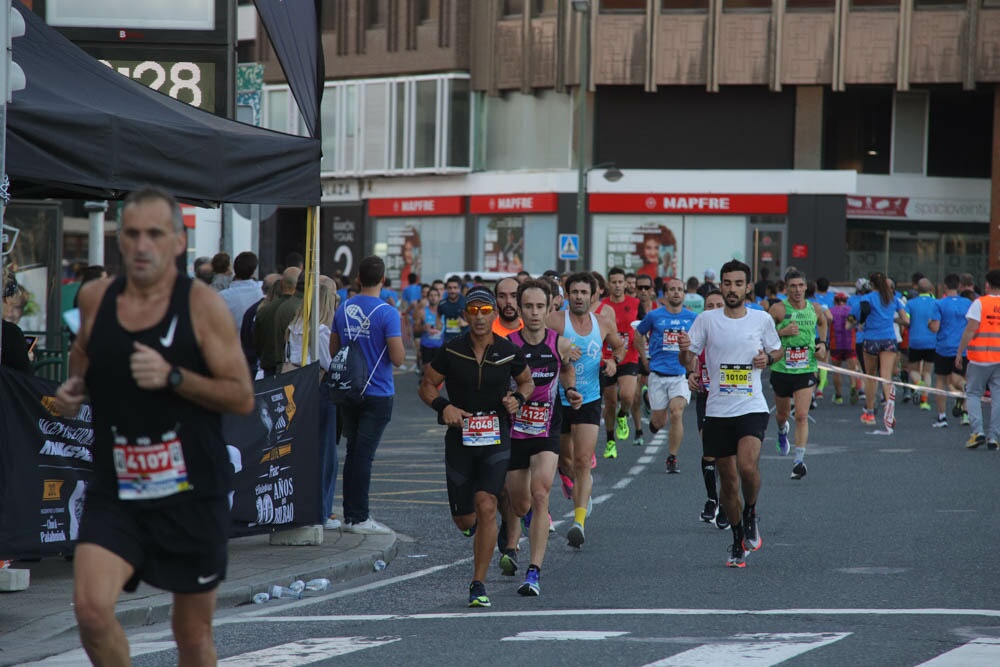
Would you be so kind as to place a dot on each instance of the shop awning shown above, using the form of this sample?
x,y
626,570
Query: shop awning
x,y
81,129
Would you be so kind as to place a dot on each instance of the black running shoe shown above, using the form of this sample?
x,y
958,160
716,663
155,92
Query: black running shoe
x,y
477,595
708,514
737,556
672,465
508,562
721,520
751,535
799,470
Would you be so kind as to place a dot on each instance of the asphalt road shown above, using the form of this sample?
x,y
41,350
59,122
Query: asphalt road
x,y
882,555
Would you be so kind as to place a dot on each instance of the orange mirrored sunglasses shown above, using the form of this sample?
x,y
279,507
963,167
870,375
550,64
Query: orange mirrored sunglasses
x,y
484,309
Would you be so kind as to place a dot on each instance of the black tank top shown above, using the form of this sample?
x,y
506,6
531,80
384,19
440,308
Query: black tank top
x,y
131,424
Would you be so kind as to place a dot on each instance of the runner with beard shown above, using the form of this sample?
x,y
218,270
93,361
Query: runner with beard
x,y
535,433
738,344
668,386
508,320
589,334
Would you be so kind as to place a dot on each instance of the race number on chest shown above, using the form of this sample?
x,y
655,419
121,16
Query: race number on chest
x,y
481,430
533,418
736,379
148,470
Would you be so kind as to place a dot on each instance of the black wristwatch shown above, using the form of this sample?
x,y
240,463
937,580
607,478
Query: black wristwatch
x,y
519,397
174,377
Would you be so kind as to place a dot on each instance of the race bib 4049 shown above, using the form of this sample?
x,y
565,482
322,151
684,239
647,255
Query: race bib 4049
x,y
532,419
481,430
149,470
736,379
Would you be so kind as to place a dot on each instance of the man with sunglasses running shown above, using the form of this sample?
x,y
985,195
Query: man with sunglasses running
x,y
477,369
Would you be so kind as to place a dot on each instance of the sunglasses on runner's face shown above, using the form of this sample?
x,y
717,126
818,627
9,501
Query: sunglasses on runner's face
x,y
485,309
644,287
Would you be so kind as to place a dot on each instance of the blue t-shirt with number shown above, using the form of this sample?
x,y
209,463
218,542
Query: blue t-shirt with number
x,y
663,328
362,318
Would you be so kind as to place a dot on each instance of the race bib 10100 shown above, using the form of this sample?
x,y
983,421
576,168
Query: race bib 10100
x,y
736,379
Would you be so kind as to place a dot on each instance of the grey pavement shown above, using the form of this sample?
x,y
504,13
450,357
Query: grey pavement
x,y
45,609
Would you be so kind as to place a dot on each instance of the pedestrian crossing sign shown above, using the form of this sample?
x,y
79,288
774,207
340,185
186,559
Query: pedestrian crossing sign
x,y
569,246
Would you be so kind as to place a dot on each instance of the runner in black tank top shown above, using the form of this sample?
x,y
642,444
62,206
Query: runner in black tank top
x,y
162,360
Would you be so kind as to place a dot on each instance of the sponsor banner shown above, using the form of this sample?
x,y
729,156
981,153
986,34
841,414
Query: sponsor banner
x,y
919,208
545,202
412,206
503,244
712,204
46,462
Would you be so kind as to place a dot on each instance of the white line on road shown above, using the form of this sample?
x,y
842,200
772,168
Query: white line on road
x,y
623,482
752,650
78,658
655,449
980,652
563,635
305,651
636,470
644,459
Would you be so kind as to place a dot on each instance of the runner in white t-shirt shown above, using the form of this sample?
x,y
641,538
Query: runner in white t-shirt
x,y
738,344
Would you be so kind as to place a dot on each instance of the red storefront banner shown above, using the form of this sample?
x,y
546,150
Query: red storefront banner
x,y
876,207
415,206
606,202
539,202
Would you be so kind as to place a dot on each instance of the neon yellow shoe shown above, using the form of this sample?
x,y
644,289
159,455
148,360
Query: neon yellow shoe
x,y
621,428
611,450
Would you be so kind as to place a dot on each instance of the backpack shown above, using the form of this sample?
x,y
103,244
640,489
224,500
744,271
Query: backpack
x,y
348,377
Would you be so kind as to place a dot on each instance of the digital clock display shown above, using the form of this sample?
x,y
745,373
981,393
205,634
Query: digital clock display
x,y
189,81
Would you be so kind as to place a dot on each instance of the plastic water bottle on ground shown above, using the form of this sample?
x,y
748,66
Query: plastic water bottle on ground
x,y
320,584
379,565
261,598
285,592
298,585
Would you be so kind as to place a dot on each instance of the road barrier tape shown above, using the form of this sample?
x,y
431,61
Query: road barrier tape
x,y
923,389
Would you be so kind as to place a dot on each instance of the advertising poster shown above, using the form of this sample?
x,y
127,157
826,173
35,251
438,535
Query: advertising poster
x,y
503,244
646,246
403,253
46,461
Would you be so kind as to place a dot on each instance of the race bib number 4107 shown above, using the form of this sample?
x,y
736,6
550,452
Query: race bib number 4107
x,y
149,470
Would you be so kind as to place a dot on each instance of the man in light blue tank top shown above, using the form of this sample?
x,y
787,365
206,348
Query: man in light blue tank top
x,y
588,333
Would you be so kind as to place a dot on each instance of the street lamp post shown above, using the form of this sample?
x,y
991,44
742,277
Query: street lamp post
x,y
582,7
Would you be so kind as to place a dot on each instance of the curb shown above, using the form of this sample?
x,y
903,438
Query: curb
x,y
157,609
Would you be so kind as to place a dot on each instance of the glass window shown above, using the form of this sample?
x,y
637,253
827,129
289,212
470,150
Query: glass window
x,y
874,4
425,125
960,133
401,134
904,247
427,10
630,6
373,14
349,94
401,241
458,124
277,110
509,244
513,7
739,5
858,130
674,5
328,125
909,132
376,125
810,4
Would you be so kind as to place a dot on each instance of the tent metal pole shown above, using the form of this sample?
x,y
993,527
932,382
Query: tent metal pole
x,y
314,318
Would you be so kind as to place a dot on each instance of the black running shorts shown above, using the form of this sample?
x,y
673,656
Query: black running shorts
x,y
722,434
946,365
589,413
915,355
700,402
786,384
179,548
427,354
473,469
521,451
623,370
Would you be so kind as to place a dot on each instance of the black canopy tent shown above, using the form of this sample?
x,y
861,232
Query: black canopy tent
x,y
81,129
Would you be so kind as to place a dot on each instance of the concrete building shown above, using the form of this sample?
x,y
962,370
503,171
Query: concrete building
x,y
841,136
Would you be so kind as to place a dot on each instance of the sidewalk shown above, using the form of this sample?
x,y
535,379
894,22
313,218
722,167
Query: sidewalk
x,y
45,609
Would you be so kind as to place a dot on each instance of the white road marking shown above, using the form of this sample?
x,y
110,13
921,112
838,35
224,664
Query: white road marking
x,y
653,450
980,652
644,459
305,651
601,498
78,658
563,635
623,482
752,650
635,470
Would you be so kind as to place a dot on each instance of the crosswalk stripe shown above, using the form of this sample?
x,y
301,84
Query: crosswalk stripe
x,y
751,650
980,652
563,635
78,658
305,651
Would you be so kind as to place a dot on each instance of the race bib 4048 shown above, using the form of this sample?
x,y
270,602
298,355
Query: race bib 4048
x,y
736,379
148,470
481,430
796,358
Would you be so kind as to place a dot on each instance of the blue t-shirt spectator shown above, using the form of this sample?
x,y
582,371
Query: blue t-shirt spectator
x,y
342,294
878,325
362,316
920,309
411,294
663,328
950,312
387,294
824,299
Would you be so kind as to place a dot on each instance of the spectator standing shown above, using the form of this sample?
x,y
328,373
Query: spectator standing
x,y
268,340
222,271
375,329
243,291
693,301
14,350
709,283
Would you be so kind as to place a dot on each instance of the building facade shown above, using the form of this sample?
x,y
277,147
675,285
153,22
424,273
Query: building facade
x,y
841,136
